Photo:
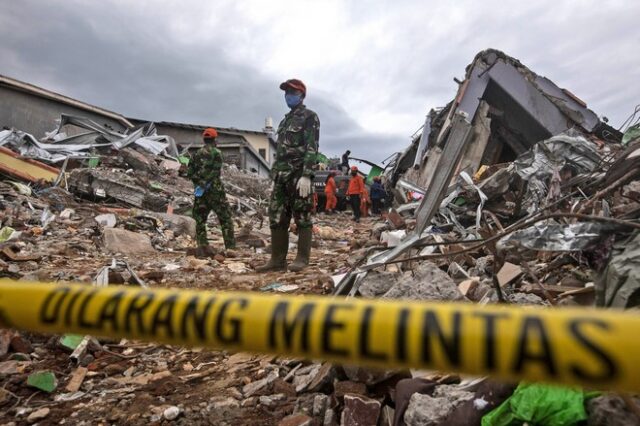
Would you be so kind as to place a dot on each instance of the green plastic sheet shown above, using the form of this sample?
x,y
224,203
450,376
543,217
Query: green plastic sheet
x,y
631,134
539,405
6,233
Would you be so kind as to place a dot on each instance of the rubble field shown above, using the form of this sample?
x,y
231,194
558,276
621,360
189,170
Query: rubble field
x,y
497,199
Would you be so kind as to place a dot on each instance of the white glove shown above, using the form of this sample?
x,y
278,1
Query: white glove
x,y
304,186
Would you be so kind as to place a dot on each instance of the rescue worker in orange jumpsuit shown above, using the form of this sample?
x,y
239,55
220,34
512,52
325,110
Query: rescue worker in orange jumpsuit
x,y
364,203
355,192
330,192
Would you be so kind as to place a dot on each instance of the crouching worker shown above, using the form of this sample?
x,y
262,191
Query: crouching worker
x,y
204,171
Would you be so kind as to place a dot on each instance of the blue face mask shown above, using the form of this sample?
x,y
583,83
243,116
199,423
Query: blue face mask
x,y
292,100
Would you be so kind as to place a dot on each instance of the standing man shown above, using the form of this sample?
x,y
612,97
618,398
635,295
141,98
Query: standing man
x,y
204,171
355,191
292,173
345,162
377,195
330,193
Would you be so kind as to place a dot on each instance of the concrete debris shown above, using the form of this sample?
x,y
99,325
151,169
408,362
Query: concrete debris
x,y
108,220
426,282
252,388
38,414
171,413
126,242
349,387
611,410
427,410
360,411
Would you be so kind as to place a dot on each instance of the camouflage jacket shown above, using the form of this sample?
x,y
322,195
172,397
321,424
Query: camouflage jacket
x,y
205,166
297,145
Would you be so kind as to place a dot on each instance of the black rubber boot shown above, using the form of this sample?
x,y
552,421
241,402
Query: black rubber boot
x,y
304,250
279,248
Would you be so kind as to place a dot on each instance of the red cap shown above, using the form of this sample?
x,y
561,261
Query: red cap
x,y
295,84
210,133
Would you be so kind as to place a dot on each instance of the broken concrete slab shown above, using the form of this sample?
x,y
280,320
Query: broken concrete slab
x,y
348,386
139,161
253,388
368,376
425,282
432,410
360,411
126,242
323,378
377,283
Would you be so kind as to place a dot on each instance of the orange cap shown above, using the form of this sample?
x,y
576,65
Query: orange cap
x,y
210,133
294,83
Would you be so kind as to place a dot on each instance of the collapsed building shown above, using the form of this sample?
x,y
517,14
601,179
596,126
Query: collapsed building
x,y
56,127
502,109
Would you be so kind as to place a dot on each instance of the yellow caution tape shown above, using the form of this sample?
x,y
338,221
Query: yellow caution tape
x,y
594,348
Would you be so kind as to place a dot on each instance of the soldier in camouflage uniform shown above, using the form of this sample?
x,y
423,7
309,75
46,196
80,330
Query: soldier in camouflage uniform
x,y
204,171
292,174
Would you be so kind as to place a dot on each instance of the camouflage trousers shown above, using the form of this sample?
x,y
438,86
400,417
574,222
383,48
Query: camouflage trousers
x,y
286,203
202,206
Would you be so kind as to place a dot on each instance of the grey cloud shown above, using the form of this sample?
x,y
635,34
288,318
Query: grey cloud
x,y
143,77
125,57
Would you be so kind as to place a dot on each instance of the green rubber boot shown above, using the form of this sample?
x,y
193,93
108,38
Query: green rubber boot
x,y
304,250
279,248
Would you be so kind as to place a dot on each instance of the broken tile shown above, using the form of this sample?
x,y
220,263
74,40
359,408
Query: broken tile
x,y
468,286
77,377
508,273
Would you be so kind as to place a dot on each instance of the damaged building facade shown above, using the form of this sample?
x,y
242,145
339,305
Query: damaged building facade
x,y
50,118
249,150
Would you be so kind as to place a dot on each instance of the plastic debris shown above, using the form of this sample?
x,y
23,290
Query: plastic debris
x,y
539,405
556,237
43,380
71,341
107,220
6,233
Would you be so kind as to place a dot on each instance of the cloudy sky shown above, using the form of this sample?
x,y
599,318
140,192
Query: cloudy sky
x,y
373,68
